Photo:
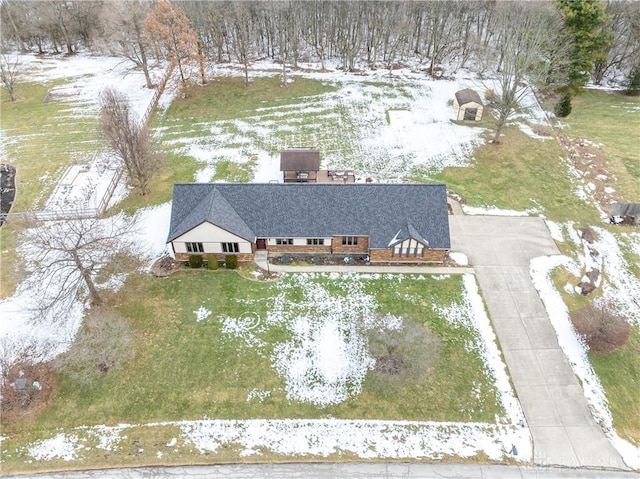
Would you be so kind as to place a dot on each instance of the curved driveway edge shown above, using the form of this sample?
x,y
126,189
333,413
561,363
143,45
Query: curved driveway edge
x,y
563,429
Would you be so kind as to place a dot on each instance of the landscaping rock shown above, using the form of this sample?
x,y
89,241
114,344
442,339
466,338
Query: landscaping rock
x,y
586,288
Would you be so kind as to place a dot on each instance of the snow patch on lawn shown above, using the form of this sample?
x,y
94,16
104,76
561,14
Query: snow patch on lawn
x,y
202,313
87,76
326,359
61,446
365,439
495,211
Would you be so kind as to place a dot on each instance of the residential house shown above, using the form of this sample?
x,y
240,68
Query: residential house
x,y
387,222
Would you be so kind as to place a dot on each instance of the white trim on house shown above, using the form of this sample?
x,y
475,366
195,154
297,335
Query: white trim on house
x,y
409,247
211,237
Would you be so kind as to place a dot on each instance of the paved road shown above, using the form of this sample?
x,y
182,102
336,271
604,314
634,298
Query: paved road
x,y
340,471
500,248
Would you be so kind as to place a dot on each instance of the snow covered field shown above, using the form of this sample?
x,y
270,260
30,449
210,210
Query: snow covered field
x,y
383,126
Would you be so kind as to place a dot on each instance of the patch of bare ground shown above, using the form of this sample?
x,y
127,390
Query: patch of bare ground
x,y
590,162
165,266
25,390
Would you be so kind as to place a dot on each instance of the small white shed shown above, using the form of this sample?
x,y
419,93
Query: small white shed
x,y
468,105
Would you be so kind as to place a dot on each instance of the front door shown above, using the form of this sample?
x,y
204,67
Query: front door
x,y
261,243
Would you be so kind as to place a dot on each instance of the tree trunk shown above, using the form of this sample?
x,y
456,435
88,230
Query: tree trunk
x,y
12,96
201,63
96,300
180,69
143,58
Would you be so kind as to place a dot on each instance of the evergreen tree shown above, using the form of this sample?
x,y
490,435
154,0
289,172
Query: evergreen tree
x,y
584,22
563,107
633,82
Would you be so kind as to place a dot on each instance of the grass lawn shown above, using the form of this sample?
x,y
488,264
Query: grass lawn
x,y
185,369
520,173
613,120
619,373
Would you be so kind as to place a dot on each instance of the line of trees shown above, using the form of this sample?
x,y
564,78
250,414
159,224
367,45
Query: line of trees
x,y
603,37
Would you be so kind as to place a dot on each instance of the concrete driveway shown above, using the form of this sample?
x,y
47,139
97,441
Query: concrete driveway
x,y
500,248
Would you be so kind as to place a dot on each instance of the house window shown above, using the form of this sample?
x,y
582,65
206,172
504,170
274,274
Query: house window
x,y
195,248
349,241
230,248
284,241
315,241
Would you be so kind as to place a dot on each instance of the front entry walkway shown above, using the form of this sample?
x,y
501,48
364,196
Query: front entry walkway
x,y
260,258
500,248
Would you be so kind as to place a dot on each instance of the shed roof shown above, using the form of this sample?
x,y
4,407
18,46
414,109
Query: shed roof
x,y
626,209
256,210
301,159
467,96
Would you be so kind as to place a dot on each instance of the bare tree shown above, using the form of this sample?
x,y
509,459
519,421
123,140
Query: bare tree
x,y
130,139
124,30
67,256
10,68
405,351
623,49
240,32
524,37
102,344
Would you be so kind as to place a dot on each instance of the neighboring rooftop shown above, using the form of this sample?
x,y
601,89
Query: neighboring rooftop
x,y
625,209
384,212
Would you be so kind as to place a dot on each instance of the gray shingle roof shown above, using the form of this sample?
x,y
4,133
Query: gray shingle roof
x,y
257,210
467,96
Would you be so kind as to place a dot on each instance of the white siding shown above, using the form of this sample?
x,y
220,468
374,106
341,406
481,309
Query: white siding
x,y
211,237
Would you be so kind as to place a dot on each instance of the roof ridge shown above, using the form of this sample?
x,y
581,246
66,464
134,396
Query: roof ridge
x,y
220,198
